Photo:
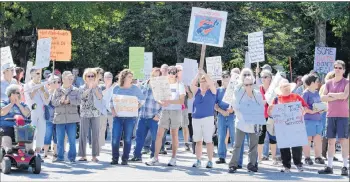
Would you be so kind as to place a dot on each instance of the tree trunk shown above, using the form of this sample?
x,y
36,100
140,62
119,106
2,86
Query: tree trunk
x,y
320,33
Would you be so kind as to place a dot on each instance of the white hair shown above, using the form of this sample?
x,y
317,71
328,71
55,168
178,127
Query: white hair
x,y
245,71
108,74
266,72
12,89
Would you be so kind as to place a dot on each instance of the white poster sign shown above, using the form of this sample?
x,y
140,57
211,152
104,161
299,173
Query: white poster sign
x,y
270,93
6,55
190,71
252,112
43,49
214,67
148,65
160,88
28,77
247,63
125,105
229,94
324,59
207,27
289,125
256,47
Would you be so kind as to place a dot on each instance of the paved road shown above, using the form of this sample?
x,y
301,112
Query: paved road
x,y
182,172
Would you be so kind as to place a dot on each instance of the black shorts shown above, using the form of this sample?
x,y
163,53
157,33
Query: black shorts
x,y
263,135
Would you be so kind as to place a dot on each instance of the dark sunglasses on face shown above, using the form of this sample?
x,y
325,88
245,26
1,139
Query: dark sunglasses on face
x,y
90,76
225,76
18,93
338,68
248,85
246,75
172,73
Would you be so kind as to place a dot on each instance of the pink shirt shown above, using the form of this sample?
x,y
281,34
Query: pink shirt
x,y
338,108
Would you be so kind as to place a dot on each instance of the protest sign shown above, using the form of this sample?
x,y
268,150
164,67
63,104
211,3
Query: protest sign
x,y
214,67
148,65
125,105
43,48
247,63
207,27
252,112
324,59
190,71
160,88
28,77
289,125
6,56
270,93
256,47
61,43
136,61
229,94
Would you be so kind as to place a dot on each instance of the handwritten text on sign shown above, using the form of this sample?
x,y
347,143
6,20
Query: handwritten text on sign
x,y
125,106
43,48
229,94
6,56
256,47
160,88
214,67
61,44
324,59
252,112
289,125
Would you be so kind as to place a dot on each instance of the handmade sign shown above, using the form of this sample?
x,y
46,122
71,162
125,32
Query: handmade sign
x,y
190,71
252,112
289,125
270,93
247,63
43,48
207,27
136,61
125,106
6,56
61,43
160,88
229,94
324,59
214,67
148,65
28,77
256,47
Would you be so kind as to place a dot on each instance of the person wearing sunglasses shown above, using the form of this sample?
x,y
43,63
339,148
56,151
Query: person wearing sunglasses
x,y
90,115
171,117
36,97
6,78
336,94
245,96
124,116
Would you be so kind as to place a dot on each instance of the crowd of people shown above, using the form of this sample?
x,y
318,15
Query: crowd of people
x,y
64,107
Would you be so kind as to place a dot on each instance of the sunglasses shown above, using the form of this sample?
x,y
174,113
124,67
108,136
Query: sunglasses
x,y
225,77
18,93
172,72
338,68
247,85
264,77
90,76
245,75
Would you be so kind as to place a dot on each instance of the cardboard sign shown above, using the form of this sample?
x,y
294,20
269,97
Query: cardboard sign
x,y
125,106
190,71
6,55
289,125
207,27
28,77
229,93
160,88
324,59
61,43
136,61
256,47
252,112
148,65
214,67
43,48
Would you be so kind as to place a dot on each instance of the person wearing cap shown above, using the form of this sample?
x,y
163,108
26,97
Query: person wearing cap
x,y
6,78
285,95
36,97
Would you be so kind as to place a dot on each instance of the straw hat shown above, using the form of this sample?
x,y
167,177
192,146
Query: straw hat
x,y
283,83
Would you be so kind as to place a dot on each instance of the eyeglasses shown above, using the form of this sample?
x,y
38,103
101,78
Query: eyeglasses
x,y
245,75
248,85
90,76
264,77
225,77
172,72
18,93
338,68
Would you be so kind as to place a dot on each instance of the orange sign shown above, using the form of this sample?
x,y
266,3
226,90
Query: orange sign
x,y
61,44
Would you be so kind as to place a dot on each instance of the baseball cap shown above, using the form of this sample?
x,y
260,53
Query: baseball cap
x,y
267,67
7,66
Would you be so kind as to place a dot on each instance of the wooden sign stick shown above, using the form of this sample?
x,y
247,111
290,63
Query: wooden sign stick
x,y
201,62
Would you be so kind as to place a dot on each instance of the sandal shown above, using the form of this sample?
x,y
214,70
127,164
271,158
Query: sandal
x,y
82,160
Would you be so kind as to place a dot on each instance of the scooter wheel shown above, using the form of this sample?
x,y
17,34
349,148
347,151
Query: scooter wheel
x,y
36,166
6,165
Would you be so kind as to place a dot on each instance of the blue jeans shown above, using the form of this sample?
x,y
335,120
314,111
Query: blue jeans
x,y
50,133
120,125
148,141
61,130
143,127
225,123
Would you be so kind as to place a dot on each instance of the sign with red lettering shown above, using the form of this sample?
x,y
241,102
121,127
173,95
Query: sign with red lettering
x,y
324,59
61,44
125,105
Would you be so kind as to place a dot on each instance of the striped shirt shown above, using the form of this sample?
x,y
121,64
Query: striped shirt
x,y
151,107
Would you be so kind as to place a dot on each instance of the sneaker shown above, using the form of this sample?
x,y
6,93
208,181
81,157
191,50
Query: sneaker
x,y
220,161
319,160
163,152
309,161
136,159
232,169
209,165
172,162
300,168
72,162
198,163
152,162
285,170
344,171
124,162
57,161
187,147
264,158
252,168
114,162
326,170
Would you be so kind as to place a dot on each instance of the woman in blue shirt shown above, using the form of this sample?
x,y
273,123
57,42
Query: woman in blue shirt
x,y
203,116
126,100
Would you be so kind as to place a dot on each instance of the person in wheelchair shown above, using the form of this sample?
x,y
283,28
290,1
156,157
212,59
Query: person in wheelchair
x,y
9,108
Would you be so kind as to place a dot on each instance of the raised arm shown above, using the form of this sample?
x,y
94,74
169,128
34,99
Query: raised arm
x,y
194,84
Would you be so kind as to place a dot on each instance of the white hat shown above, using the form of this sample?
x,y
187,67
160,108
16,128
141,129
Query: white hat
x,y
284,82
7,66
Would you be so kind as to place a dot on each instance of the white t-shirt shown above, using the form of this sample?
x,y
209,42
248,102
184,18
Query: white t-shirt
x,y
38,98
177,89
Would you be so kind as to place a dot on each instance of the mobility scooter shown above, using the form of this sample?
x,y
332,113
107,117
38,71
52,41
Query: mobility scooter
x,y
18,157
